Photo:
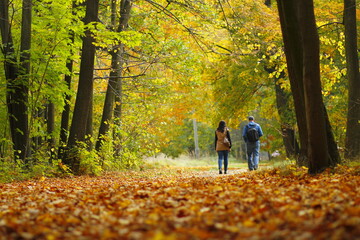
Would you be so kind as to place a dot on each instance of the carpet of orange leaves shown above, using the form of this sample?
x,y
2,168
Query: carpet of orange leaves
x,y
185,204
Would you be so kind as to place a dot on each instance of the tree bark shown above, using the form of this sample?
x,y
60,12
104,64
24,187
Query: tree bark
x,y
17,78
315,116
50,122
89,126
23,94
65,115
352,140
36,141
11,72
293,51
109,99
285,113
334,154
110,91
318,148
85,89
115,75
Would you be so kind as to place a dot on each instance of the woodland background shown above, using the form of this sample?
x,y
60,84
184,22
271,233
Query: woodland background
x,y
100,85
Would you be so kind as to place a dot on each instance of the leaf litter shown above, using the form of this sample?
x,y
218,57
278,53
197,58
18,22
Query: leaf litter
x,y
185,204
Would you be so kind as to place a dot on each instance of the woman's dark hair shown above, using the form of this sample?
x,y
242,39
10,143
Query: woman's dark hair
x,y
221,126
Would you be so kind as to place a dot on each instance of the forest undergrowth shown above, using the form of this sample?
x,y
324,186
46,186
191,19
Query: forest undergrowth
x,y
185,203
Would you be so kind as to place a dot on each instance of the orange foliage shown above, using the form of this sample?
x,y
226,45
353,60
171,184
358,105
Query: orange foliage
x,y
179,204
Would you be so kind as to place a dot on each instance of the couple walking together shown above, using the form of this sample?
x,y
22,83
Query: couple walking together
x,y
251,134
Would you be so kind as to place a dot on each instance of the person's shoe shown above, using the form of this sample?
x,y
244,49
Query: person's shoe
x,y
225,172
220,172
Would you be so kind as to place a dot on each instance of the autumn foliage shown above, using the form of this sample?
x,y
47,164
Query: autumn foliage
x,y
185,204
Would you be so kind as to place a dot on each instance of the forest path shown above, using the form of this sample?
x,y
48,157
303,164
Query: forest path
x,y
183,203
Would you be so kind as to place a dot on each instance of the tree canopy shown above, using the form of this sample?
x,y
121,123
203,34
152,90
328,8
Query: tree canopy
x,y
164,63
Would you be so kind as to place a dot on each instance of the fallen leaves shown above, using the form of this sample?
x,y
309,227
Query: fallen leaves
x,y
184,205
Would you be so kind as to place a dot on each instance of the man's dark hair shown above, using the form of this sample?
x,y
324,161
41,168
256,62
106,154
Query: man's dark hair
x,y
251,118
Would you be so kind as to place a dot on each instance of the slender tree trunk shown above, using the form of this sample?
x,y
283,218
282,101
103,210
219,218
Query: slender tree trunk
x,y
65,115
352,140
36,141
50,122
114,83
109,99
22,111
23,94
85,89
89,126
66,111
117,117
110,92
285,113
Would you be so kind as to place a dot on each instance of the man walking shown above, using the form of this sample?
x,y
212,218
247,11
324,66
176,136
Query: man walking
x,y
251,134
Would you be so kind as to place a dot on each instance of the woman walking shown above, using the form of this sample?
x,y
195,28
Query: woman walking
x,y
222,145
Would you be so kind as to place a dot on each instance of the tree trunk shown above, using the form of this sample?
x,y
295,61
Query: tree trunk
x,y
299,34
23,95
115,75
89,126
285,112
109,99
117,117
110,91
315,116
11,70
286,116
65,115
36,141
293,51
287,121
352,140
17,79
50,122
333,148
85,89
